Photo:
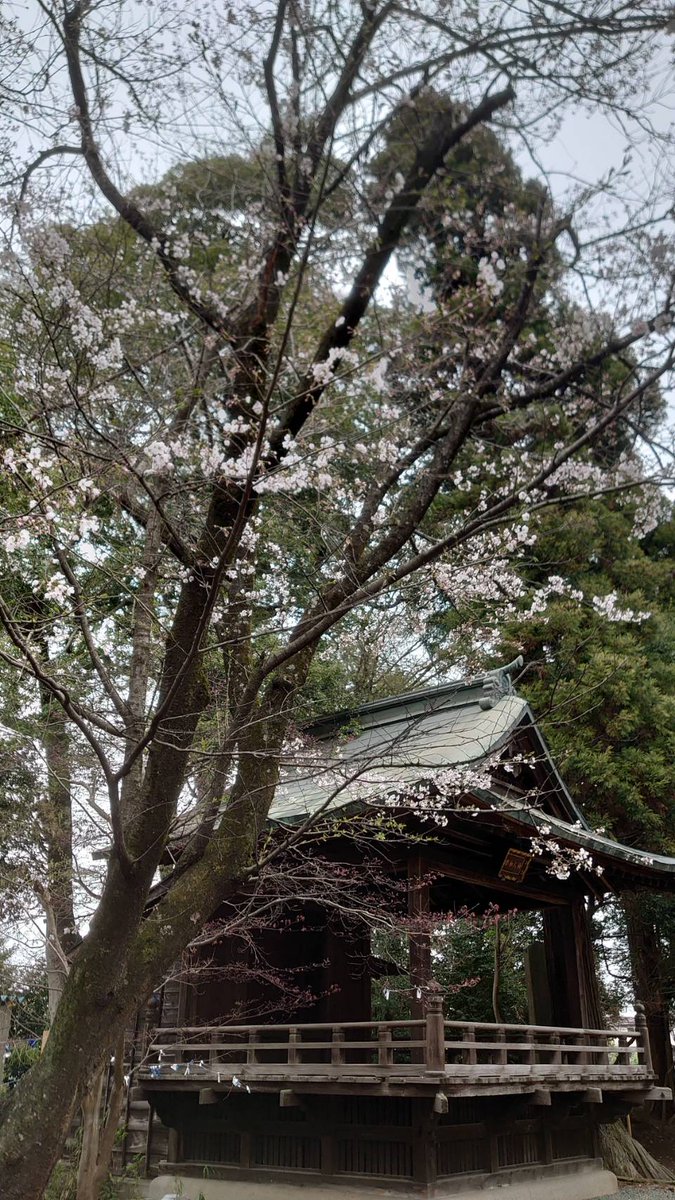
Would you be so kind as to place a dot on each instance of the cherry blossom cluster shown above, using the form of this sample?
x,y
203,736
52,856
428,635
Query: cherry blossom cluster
x,y
562,860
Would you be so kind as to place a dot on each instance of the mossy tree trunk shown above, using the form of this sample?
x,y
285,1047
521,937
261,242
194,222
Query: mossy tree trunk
x,y
99,1127
113,973
651,984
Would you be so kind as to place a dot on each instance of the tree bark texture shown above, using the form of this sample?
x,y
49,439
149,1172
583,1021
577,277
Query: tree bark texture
x,y
99,1128
627,1158
113,973
651,983
497,973
57,899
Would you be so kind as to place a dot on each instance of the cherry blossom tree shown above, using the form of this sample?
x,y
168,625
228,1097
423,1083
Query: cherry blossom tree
x,y
237,427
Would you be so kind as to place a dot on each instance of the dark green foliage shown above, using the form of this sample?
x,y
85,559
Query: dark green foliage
x,y
472,957
26,987
478,186
604,691
30,1014
463,962
20,1060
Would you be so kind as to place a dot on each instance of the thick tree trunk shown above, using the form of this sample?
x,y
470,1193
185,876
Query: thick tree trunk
x,y
57,896
124,955
55,959
591,1007
621,1153
91,1116
99,1128
100,994
649,976
571,968
627,1158
5,1022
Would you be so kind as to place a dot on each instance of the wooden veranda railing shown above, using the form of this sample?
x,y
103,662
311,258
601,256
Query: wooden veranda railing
x,y
427,1050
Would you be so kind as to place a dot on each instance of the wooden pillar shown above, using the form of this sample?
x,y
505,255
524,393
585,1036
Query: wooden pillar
x,y
172,1153
539,1008
570,963
419,943
562,966
184,1002
435,1029
589,991
147,1158
424,1144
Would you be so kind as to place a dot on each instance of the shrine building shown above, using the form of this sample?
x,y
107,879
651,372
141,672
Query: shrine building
x,y
452,793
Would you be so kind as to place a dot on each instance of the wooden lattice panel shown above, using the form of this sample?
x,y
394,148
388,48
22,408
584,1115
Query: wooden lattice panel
x,y
390,1159
289,1152
518,1149
211,1146
463,1157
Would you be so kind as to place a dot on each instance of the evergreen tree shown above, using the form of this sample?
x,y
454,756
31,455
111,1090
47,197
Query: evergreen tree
x,y
600,676
211,473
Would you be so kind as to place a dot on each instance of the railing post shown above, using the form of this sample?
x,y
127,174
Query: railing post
x,y
602,1056
556,1057
251,1049
500,1036
435,1029
293,1046
337,1053
169,1052
469,1036
642,1030
385,1048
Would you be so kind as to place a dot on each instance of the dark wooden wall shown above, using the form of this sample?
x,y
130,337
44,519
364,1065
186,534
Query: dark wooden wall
x,y
376,1140
308,968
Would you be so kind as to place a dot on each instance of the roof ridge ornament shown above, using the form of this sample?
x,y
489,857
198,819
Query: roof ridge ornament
x,y
498,683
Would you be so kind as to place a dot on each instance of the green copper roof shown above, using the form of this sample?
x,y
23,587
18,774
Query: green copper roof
x,y
600,847
396,745
451,735
382,750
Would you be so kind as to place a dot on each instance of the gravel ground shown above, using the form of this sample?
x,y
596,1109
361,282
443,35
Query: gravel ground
x,y
647,1191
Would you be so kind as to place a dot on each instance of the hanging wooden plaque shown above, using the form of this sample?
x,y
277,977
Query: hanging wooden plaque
x,y
514,866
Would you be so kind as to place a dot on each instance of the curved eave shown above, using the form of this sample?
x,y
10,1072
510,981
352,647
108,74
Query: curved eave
x,y
574,811
398,753
639,867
